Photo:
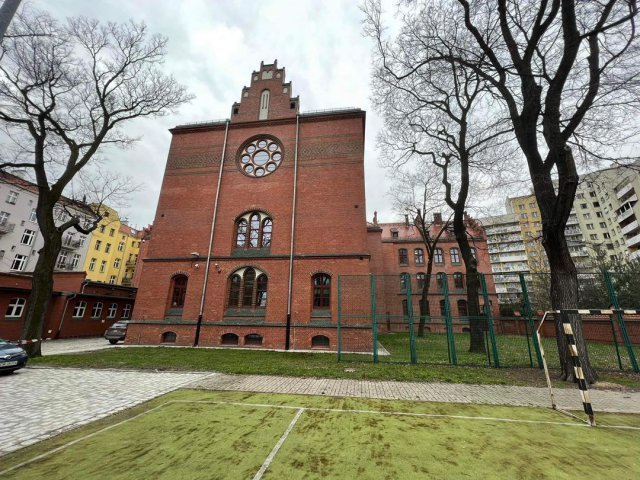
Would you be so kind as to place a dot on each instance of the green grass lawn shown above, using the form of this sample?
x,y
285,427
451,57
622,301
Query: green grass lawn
x,y
513,351
320,365
195,434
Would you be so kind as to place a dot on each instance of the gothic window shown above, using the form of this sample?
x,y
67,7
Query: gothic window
x,y
253,231
248,289
321,290
260,157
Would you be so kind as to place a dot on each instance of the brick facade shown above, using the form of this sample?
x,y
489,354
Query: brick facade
x,y
321,163
69,289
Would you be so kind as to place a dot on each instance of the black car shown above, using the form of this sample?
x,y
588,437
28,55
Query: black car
x,y
12,357
116,332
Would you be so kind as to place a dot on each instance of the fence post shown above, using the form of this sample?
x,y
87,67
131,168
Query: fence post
x,y
623,328
489,317
339,318
528,313
451,343
412,334
374,318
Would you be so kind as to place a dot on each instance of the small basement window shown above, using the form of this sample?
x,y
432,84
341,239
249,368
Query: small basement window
x,y
169,337
229,339
320,341
253,339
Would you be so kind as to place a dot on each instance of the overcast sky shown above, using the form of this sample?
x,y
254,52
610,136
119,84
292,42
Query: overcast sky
x,y
214,45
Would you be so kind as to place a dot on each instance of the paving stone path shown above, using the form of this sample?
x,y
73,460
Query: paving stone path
x,y
38,403
566,398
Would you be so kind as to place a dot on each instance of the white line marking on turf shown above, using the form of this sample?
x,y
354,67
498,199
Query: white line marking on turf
x,y
277,446
73,442
291,407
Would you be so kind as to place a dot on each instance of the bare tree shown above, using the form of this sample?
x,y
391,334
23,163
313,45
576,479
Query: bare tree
x,y
66,89
437,111
418,193
565,74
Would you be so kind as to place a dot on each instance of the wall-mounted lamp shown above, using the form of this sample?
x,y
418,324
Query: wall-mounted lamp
x,y
195,254
217,267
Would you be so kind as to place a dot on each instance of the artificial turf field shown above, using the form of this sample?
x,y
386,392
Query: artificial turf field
x,y
196,434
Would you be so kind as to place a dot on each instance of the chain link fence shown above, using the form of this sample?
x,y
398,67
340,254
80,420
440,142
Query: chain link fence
x,y
484,320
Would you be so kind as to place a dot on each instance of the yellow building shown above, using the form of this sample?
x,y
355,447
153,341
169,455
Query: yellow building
x,y
113,250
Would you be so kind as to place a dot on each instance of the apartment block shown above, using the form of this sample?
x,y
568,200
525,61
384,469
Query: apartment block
x,y
507,253
628,213
113,250
20,237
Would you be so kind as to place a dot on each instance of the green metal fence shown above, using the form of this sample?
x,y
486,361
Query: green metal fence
x,y
417,319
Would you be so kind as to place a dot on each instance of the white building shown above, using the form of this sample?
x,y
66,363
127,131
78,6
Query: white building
x,y
20,237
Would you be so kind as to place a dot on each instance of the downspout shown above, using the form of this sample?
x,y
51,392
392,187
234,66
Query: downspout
x,y
213,226
64,312
287,342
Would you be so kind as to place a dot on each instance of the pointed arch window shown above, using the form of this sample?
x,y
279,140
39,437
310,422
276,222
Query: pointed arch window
x,y
179,291
248,289
253,231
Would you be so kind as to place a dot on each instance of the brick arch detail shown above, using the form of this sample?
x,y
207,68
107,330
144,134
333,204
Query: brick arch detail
x,y
316,272
247,265
179,272
254,208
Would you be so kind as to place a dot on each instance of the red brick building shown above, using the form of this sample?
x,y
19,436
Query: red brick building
x,y
258,216
78,307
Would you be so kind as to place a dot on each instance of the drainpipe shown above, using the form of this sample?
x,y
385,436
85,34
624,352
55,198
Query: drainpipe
x,y
293,228
64,312
213,226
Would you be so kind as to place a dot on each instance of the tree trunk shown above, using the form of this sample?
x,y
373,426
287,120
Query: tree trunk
x,y
564,294
425,310
476,322
42,283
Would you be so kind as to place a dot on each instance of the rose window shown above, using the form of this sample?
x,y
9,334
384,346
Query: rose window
x,y
260,157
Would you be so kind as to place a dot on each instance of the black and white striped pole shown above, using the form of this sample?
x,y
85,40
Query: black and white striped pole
x,y
577,367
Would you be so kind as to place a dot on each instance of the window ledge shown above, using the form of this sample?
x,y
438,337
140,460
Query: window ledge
x,y
251,252
245,312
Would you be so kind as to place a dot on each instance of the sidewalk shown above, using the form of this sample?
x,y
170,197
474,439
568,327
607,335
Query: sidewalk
x,y
566,398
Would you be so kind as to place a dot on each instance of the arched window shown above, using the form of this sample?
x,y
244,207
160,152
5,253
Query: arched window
x,y
455,255
321,290
403,257
264,105
473,253
438,256
179,291
418,256
420,277
248,289
463,311
458,280
267,225
229,339
320,341
169,337
241,233
253,231
403,280
440,280
443,308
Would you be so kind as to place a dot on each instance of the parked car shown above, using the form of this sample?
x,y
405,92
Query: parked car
x,y
116,332
12,357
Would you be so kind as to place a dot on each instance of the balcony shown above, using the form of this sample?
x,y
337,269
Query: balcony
x,y
6,227
634,255
131,263
633,241
624,191
624,215
126,282
633,226
71,244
